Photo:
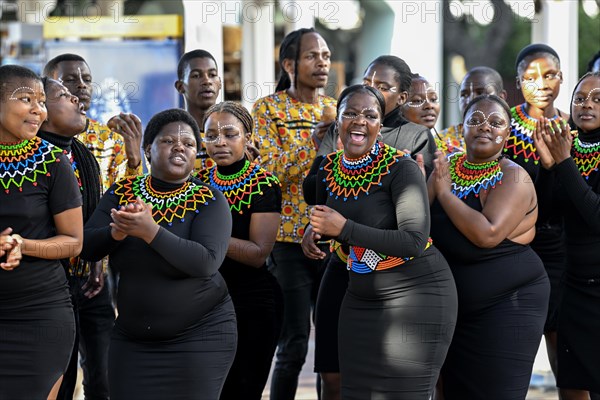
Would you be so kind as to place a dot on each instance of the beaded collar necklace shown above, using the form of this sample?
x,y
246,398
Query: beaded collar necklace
x,y
26,161
351,177
472,178
586,156
520,141
166,206
241,187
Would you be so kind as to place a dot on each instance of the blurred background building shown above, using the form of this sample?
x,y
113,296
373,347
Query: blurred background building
x,y
133,45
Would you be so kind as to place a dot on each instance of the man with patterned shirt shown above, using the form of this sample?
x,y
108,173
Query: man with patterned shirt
x,y
284,125
118,155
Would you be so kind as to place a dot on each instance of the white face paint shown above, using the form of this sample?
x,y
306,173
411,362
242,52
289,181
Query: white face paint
x,y
180,132
12,95
579,101
419,104
368,116
495,120
498,139
222,134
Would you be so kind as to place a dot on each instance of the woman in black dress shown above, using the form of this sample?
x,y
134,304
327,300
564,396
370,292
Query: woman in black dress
x,y
398,315
573,163
66,119
539,78
483,217
167,233
254,198
40,218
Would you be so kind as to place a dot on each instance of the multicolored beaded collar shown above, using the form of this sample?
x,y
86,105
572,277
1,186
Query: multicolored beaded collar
x,y
351,177
586,156
241,187
26,161
520,140
166,206
472,178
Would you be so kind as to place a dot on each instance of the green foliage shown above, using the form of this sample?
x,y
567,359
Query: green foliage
x,y
520,38
589,38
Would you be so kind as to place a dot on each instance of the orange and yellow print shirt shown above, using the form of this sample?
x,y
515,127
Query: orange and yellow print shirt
x,y
451,140
109,149
283,128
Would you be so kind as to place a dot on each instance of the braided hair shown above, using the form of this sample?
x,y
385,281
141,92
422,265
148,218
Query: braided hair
x,y
90,177
242,114
233,108
290,49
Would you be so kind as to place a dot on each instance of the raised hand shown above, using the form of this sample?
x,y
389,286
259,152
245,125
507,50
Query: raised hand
x,y
130,127
441,174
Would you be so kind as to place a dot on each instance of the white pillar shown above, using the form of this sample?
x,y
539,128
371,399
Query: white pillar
x,y
557,26
417,39
203,29
258,44
299,14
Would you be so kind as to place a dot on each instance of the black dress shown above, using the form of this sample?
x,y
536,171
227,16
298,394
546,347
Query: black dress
x,y
256,295
36,317
578,183
502,306
398,315
549,241
175,335
401,134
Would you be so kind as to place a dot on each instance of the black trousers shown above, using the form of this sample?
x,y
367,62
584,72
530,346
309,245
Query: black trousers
x,y
94,320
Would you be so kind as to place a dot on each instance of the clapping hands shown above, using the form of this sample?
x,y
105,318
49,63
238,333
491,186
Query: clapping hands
x,y
133,219
553,140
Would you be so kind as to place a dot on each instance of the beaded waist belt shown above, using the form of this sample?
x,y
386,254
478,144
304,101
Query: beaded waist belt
x,y
364,261
338,249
